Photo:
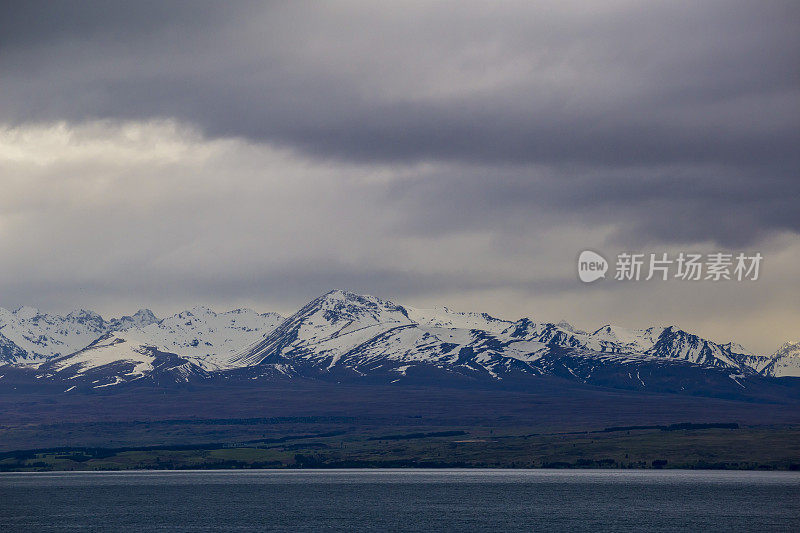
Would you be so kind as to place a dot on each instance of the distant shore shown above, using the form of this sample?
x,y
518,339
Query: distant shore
x,y
718,446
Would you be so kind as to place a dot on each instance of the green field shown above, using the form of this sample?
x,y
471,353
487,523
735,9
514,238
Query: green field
x,y
721,448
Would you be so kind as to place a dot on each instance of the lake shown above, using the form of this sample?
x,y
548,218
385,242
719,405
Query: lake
x,y
401,500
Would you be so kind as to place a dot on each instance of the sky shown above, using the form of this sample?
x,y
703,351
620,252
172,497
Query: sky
x,y
169,154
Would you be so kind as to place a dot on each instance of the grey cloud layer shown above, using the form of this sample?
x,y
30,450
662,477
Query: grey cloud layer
x,y
677,111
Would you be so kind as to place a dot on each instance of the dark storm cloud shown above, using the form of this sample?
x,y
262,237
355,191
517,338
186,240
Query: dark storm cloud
x,y
730,206
682,119
628,84
43,23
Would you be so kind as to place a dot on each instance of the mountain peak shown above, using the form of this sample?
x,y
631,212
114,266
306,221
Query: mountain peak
x,y
612,332
563,324
196,311
26,312
84,314
145,314
342,294
329,324
785,361
140,319
735,347
241,311
789,345
340,304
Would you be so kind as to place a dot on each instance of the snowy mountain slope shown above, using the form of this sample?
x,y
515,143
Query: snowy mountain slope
x,y
327,328
10,352
43,336
118,357
214,337
343,332
30,337
785,361
359,333
442,317
186,345
563,324
669,342
675,343
616,339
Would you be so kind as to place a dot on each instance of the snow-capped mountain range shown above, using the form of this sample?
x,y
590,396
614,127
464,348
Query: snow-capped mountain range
x,y
28,336
342,335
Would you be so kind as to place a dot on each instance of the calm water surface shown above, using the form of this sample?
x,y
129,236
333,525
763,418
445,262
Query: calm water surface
x,y
401,500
